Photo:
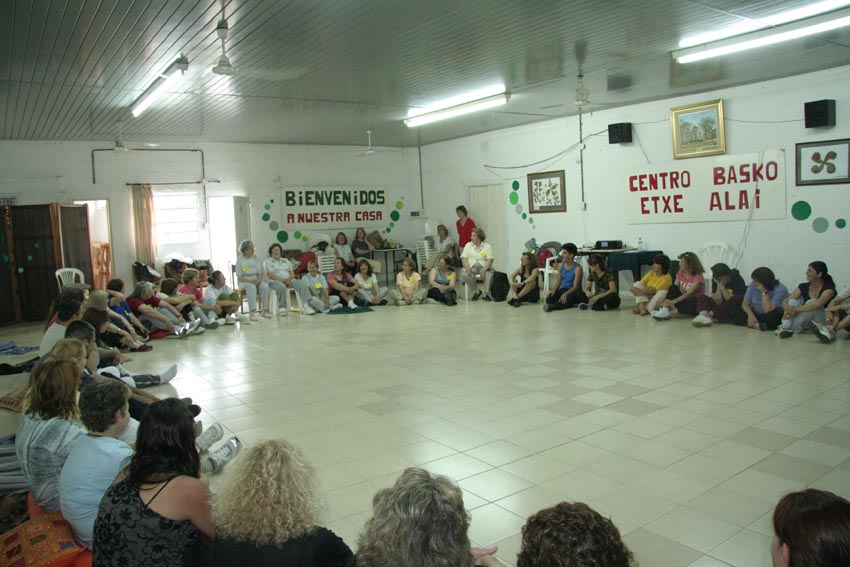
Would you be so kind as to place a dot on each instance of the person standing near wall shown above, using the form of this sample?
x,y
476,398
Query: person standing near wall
x,y
464,226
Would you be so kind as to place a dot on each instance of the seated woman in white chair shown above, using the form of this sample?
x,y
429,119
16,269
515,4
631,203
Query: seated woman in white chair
x,y
444,245
249,275
477,259
281,275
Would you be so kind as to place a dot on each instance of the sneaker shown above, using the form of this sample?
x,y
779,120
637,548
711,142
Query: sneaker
x,y
517,303
701,321
282,312
351,305
417,301
823,334
335,307
400,303
308,310
661,314
511,301
253,316
267,315
225,453
224,321
199,331
487,298
477,296
206,439
785,333
584,306
431,301
193,327
547,307
211,325
383,302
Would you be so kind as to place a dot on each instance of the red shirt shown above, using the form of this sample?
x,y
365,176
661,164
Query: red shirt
x,y
464,232
135,303
186,289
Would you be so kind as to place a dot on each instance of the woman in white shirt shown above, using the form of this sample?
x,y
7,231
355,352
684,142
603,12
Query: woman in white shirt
x,y
369,291
281,275
477,259
444,245
343,250
249,273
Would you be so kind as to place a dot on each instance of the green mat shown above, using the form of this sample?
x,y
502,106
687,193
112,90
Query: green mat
x,y
347,311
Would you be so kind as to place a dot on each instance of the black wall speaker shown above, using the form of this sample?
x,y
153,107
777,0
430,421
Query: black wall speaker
x,y
819,113
620,133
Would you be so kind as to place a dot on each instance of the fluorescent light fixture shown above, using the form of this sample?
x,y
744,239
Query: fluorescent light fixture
x,y
754,24
457,106
763,38
160,86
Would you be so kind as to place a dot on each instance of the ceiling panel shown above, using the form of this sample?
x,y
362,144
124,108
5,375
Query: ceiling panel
x,y
323,71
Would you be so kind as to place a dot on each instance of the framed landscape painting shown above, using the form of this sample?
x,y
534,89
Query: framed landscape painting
x,y
698,129
546,193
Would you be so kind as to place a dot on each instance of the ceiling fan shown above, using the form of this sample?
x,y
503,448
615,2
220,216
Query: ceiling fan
x,y
582,93
370,150
225,68
119,143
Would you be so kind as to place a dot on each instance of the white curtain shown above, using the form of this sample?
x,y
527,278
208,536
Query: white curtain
x,y
144,224
488,208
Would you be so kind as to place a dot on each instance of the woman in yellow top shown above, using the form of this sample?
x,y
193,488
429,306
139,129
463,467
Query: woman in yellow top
x,y
652,289
408,284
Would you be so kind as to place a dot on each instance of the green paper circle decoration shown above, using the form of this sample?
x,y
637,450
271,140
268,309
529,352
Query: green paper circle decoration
x,y
266,217
304,238
399,205
840,223
514,198
282,236
387,229
801,210
515,185
392,225
20,270
820,225
274,225
395,215
297,234
5,258
530,220
268,207
37,245
29,258
524,216
518,209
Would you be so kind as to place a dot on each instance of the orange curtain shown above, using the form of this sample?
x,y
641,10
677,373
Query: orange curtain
x,y
144,223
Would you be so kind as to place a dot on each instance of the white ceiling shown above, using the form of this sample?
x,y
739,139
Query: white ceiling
x,y
323,71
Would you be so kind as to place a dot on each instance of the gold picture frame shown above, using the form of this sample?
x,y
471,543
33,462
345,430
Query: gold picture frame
x,y
698,129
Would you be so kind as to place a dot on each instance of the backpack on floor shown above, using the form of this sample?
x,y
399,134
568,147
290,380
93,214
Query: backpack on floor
x,y
499,288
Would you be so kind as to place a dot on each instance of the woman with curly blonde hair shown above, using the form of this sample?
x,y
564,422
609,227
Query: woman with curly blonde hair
x,y
267,513
420,522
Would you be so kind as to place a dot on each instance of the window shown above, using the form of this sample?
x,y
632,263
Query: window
x,y
177,217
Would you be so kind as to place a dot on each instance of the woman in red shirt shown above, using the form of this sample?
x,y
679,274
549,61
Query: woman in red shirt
x,y
464,226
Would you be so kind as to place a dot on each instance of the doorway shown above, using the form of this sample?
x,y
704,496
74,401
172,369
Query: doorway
x,y
100,240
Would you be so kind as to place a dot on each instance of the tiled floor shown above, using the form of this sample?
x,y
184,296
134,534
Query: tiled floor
x,y
685,437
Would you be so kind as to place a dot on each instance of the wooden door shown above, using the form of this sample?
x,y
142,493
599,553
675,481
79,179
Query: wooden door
x,y
37,255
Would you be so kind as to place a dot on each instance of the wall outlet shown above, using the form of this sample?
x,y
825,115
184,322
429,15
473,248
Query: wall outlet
x,y
415,213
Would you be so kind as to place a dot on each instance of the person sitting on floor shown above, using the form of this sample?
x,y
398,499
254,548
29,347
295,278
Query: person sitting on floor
x,y
682,297
118,304
74,292
342,284
408,285
280,273
151,311
572,534
218,294
443,280
727,291
95,459
603,285
169,296
567,292
652,288
119,333
477,260
812,529
49,427
807,303
761,306
208,315
837,317
317,285
523,281
267,514
368,290
249,275
159,505
67,311
420,521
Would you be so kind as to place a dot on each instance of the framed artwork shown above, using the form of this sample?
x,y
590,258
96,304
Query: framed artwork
x,y
698,129
546,193
823,163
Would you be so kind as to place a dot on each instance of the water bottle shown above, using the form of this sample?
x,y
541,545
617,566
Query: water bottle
x,y
640,244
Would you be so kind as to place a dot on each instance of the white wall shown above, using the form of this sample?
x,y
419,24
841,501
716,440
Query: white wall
x,y
42,172
775,114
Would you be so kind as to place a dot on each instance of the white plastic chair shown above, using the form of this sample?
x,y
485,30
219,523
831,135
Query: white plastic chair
x,y
298,305
326,263
711,254
68,276
316,238
423,254
549,271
